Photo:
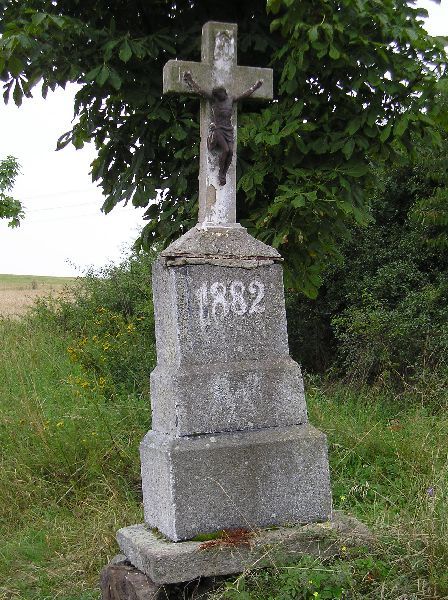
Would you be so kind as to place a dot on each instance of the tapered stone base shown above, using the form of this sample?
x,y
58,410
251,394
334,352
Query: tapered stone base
x,y
165,562
243,479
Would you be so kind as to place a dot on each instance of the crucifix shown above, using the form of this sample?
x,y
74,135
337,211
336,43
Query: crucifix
x,y
220,83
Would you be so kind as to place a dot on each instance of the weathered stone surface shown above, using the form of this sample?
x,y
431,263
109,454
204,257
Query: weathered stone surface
x,y
120,580
233,243
238,396
168,562
222,350
215,314
200,484
218,67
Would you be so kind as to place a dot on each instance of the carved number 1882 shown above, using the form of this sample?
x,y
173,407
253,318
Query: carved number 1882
x,y
218,301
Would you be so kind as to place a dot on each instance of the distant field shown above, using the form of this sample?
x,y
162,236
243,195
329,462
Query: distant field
x,y
18,292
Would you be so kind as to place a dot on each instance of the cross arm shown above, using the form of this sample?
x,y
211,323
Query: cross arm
x,y
245,79
195,87
173,77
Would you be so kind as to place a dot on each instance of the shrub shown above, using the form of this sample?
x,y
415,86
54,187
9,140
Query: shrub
x,y
110,315
382,312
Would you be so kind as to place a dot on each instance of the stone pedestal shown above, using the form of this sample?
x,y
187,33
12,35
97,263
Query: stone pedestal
x,y
153,567
200,484
230,445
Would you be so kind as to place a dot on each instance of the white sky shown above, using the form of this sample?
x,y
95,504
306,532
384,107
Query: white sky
x,y
64,231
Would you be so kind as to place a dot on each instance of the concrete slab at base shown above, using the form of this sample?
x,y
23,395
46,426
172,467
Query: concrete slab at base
x,y
167,562
201,484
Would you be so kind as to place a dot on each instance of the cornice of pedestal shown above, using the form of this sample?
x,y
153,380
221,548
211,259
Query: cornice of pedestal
x,y
220,243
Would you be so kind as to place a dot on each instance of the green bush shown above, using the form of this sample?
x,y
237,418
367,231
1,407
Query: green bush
x,y
382,312
110,316
382,341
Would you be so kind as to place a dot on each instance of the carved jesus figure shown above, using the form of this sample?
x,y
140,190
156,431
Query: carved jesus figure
x,y
221,135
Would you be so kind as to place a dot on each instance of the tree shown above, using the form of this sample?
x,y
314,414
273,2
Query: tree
x,y
382,313
9,207
353,80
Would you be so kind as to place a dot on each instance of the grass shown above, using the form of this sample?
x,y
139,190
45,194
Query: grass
x,y
69,472
389,467
69,478
30,281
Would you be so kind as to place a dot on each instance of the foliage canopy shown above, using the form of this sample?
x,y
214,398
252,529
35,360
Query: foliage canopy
x,y
353,80
9,207
382,314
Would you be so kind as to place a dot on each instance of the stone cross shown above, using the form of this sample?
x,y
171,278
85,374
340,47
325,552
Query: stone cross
x,y
218,68
230,445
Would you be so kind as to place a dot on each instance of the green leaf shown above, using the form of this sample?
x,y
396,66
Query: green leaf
x,y
64,140
137,48
108,49
299,201
179,134
313,34
386,132
125,51
15,66
355,169
59,21
102,76
320,145
354,125
401,126
273,6
38,18
348,148
166,45
17,94
114,79
92,75
334,53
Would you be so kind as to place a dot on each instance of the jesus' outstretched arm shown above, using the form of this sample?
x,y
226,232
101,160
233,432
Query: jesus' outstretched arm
x,y
195,87
250,91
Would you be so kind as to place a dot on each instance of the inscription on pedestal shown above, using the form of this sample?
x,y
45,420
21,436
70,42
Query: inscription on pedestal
x,y
218,301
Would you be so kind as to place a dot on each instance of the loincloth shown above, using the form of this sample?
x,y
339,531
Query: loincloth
x,y
226,132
